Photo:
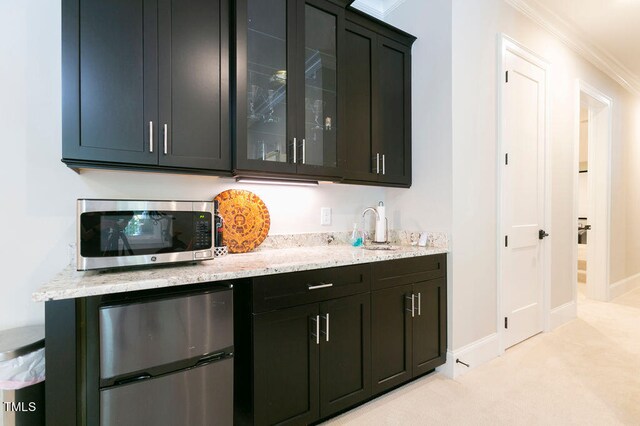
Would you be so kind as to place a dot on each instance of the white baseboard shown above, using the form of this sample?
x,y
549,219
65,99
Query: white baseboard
x,y
563,314
621,287
474,354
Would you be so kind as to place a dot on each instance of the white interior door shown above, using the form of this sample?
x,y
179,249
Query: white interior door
x,y
523,198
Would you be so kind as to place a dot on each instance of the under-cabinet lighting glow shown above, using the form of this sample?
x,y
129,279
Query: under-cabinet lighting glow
x,y
277,181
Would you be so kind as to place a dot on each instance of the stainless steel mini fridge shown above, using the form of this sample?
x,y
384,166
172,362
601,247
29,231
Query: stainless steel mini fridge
x,y
168,362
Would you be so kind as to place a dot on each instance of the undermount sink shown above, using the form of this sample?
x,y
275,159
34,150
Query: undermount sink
x,y
380,247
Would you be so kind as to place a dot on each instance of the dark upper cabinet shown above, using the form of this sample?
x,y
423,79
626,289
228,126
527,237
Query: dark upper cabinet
x,y
145,84
378,96
288,85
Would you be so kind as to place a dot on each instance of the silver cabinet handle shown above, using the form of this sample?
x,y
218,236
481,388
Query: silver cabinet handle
x,y
151,136
295,151
321,285
317,333
378,163
413,304
419,304
304,154
326,332
165,139
383,168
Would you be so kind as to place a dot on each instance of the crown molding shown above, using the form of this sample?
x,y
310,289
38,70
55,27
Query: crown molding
x,y
576,40
390,5
377,8
370,7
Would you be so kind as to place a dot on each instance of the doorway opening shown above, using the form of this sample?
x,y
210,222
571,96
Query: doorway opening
x,y
583,201
592,193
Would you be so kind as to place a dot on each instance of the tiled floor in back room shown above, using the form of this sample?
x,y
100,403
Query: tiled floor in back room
x,y
586,372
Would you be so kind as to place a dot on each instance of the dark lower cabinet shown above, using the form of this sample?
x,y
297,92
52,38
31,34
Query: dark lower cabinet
x,y
391,337
345,344
312,344
285,365
311,361
408,322
429,335
298,362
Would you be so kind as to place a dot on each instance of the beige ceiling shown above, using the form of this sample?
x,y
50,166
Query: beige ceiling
x,y
611,25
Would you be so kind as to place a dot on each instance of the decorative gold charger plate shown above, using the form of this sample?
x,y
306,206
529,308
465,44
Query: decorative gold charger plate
x,y
246,220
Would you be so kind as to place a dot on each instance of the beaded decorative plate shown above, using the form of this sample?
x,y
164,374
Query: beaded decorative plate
x,y
246,220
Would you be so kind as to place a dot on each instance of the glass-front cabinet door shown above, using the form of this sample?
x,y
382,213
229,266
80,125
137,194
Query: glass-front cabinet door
x,y
287,102
319,123
264,128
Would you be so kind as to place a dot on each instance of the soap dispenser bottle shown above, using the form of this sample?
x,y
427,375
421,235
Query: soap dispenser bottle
x,y
356,236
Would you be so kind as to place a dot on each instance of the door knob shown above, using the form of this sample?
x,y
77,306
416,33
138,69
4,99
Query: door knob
x,y
542,234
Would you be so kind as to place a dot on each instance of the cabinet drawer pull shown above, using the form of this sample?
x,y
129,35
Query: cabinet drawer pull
x,y
317,333
413,304
151,136
321,285
304,156
295,151
383,168
419,304
377,163
165,139
326,330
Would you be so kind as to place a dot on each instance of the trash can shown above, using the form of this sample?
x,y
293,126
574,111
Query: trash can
x,y
22,372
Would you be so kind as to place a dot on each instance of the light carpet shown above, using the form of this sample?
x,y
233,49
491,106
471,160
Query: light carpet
x,y
586,372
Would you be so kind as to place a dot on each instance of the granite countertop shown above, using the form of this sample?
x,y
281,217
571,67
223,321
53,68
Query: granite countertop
x,y
71,284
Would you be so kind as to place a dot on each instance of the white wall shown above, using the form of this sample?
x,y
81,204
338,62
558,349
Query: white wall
x,y
469,154
427,206
476,25
39,192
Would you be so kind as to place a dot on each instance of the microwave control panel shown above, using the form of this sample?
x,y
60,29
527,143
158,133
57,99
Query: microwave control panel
x,y
202,231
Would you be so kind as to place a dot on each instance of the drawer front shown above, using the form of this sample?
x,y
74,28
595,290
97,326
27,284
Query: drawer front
x,y
139,336
407,271
201,396
298,288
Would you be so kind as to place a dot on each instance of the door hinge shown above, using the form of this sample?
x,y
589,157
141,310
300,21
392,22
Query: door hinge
x,y
506,78
506,322
506,241
506,159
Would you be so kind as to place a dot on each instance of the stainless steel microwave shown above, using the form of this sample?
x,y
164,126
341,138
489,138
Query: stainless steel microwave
x,y
117,233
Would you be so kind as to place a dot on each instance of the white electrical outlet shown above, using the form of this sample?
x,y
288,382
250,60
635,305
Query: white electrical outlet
x,y
325,216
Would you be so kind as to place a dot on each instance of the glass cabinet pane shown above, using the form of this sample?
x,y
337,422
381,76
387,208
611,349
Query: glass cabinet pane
x,y
267,80
320,148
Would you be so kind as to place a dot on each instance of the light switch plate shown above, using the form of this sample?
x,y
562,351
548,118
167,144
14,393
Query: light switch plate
x,y
325,216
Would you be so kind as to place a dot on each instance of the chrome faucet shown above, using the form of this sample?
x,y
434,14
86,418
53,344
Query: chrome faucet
x,y
372,210
376,238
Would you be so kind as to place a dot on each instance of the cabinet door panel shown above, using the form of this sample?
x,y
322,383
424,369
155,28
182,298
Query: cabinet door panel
x,y
345,362
265,46
320,92
358,133
394,103
391,331
193,84
286,366
111,97
429,326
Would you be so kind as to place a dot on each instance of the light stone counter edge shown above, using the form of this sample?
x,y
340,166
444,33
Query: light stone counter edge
x,y
70,284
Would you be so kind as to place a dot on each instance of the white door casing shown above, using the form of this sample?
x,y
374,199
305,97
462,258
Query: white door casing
x,y
599,188
522,203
